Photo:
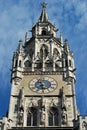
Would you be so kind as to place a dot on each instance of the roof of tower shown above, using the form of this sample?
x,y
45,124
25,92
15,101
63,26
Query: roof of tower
x,y
44,15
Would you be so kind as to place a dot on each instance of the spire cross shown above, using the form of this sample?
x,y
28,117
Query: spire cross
x,y
44,5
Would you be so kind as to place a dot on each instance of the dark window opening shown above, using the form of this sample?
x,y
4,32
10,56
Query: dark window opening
x,y
53,117
50,119
20,63
32,117
27,63
16,63
39,65
70,63
66,63
44,32
29,119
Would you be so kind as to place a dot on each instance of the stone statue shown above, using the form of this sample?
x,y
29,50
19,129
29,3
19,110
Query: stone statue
x,y
43,117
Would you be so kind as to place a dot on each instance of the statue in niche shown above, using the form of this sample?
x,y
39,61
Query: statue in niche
x,y
64,116
43,102
63,98
20,117
42,115
52,102
21,107
63,107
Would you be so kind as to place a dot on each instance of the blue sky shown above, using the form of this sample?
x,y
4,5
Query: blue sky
x,y
18,16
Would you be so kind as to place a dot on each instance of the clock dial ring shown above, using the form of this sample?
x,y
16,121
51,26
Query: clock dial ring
x,y
43,85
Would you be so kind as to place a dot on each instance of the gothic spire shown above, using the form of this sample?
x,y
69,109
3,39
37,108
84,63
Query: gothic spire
x,y
44,15
61,38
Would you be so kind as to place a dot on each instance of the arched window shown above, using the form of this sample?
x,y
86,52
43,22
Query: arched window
x,y
19,63
16,63
43,32
53,117
66,63
70,63
29,119
32,117
44,51
27,63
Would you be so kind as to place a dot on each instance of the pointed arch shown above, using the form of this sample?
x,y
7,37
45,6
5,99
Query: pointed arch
x,y
44,31
32,117
44,51
53,117
16,63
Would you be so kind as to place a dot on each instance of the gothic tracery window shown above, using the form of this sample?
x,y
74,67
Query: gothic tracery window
x,y
32,117
53,117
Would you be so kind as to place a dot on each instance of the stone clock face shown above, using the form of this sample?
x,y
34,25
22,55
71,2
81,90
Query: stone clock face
x,y
43,85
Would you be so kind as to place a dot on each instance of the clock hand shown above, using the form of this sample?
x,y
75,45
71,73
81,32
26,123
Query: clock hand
x,y
43,85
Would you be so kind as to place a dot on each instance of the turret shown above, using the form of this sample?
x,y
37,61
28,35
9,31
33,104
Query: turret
x,y
69,66
17,62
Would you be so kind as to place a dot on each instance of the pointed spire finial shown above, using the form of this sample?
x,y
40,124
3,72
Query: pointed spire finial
x,y
61,38
44,5
44,15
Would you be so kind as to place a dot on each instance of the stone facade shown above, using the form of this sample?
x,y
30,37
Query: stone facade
x,y
43,82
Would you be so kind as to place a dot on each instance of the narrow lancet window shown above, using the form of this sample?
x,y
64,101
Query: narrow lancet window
x,y
32,117
53,117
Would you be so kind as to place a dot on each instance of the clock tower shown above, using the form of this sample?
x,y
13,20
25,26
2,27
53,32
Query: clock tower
x,y
43,79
